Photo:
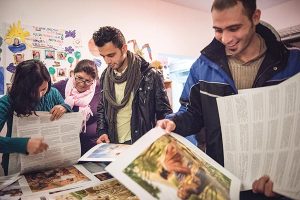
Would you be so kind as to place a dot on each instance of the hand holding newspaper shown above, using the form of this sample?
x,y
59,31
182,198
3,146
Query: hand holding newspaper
x,y
168,166
54,169
61,135
261,135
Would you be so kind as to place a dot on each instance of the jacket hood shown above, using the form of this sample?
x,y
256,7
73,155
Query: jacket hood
x,y
215,51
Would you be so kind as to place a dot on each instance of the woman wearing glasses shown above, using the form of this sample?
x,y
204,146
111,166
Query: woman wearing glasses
x,y
81,92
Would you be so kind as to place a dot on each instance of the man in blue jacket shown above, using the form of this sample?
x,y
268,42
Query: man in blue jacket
x,y
243,54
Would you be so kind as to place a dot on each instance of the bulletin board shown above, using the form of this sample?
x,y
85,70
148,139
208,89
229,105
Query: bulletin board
x,y
59,49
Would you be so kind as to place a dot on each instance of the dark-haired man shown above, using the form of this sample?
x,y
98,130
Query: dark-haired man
x,y
133,96
243,54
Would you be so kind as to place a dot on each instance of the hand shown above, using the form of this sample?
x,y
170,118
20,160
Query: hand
x,y
103,138
264,185
166,124
36,145
57,111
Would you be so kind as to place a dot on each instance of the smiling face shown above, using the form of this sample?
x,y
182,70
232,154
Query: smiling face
x,y
235,30
113,56
83,81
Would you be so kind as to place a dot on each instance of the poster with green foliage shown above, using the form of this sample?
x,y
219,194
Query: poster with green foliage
x,y
167,166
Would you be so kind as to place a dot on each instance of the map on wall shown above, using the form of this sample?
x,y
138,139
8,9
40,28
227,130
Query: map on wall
x,y
59,49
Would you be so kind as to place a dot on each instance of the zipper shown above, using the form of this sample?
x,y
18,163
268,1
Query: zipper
x,y
261,74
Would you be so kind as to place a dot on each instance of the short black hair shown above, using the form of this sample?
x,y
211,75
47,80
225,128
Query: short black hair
x,y
249,5
108,34
87,66
24,93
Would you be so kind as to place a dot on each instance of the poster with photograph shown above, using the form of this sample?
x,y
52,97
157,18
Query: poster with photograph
x,y
56,180
18,58
49,54
61,55
105,152
61,72
168,166
108,190
36,54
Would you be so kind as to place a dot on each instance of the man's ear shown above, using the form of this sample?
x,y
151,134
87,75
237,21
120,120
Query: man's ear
x,y
256,16
124,49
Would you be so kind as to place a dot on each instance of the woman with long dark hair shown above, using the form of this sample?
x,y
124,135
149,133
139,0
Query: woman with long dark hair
x,y
31,91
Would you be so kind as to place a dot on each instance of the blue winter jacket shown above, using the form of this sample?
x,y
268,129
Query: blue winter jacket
x,y
210,77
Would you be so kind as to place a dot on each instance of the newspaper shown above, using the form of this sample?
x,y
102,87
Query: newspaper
x,y
61,135
104,152
11,192
168,166
8,180
54,169
261,135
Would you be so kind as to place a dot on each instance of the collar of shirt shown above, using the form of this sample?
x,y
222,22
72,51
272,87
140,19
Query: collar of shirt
x,y
120,73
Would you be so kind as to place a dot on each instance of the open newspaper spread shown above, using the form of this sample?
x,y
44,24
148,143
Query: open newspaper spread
x,y
168,166
61,135
54,169
261,135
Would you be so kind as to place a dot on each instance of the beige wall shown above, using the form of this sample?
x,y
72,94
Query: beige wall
x,y
283,15
170,29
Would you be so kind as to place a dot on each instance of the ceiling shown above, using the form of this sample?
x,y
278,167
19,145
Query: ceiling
x,y
205,5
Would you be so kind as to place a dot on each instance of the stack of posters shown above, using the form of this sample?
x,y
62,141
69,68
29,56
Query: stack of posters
x,y
105,187
54,169
54,173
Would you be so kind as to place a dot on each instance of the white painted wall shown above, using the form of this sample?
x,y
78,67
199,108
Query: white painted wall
x,y
283,15
170,29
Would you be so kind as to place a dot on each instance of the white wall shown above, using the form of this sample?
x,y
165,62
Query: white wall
x,y
283,15
169,29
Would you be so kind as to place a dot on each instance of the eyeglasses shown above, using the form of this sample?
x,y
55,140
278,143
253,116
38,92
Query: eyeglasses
x,y
78,79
